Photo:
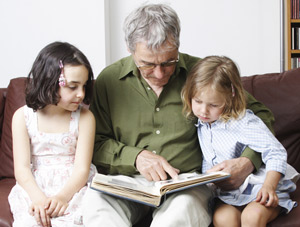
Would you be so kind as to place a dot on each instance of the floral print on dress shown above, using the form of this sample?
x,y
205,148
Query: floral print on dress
x,y
53,156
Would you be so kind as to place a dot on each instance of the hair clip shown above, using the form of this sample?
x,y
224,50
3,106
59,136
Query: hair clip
x,y
232,90
62,79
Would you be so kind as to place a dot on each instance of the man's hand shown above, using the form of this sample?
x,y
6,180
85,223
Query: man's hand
x,y
239,168
154,167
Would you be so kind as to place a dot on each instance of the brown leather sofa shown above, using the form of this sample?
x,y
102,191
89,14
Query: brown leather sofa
x,y
278,91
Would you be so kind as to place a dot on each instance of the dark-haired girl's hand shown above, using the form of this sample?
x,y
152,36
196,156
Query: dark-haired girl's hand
x,y
56,206
39,212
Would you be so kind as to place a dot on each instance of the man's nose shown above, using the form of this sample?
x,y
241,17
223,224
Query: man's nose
x,y
159,72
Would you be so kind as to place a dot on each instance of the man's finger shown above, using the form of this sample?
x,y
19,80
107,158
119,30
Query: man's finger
x,y
173,172
216,168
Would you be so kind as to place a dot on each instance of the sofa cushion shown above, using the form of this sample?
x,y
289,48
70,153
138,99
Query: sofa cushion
x,y
291,219
15,98
280,92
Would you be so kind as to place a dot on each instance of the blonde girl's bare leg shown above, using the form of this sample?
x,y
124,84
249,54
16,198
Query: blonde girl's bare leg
x,y
226,215
256,214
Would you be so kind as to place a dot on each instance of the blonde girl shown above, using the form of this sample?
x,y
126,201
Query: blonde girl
x,y
214,94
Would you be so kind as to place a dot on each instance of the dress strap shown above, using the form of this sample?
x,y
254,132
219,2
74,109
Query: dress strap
x,y
75,116
30,119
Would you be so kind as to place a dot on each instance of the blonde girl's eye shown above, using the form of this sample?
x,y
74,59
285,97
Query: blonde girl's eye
x,y
197,101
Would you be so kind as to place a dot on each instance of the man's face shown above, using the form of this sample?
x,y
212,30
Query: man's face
x,y
156,67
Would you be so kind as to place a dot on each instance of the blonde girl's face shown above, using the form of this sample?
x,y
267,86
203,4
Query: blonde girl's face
x,y
72,94
208,105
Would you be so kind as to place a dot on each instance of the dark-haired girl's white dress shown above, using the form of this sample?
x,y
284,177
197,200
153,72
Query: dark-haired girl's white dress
x,y
52,157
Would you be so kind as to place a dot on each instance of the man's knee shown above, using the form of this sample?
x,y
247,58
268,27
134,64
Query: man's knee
x,y
190,198
185,208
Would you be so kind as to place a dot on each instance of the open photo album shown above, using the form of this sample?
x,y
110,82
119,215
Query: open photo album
x,y
152,193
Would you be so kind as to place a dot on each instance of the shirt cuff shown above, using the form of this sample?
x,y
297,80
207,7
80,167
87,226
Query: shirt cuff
x,y
276,165
255,157
129,156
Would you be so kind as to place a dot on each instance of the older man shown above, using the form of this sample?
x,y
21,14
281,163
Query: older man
x,y
141,129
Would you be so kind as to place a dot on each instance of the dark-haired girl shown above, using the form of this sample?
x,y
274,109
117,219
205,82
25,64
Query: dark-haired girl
x,y
53,137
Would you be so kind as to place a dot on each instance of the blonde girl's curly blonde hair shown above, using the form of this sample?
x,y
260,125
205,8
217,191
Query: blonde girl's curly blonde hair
x,y
222,75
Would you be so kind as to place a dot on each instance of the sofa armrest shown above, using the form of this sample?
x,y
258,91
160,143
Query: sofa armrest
x,y
6,218
15,98
2,104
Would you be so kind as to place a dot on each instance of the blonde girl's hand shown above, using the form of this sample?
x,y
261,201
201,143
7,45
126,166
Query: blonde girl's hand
x,y
40,214
56,206
267,196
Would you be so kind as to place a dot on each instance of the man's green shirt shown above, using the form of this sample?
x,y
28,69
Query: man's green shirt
x,y
131,118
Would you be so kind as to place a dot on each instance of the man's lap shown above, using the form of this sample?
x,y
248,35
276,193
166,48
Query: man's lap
x,y
189,207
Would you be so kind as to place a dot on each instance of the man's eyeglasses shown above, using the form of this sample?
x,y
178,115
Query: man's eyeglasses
x,y
152,65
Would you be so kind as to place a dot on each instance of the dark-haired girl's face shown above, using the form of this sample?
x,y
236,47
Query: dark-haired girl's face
x,y
72,94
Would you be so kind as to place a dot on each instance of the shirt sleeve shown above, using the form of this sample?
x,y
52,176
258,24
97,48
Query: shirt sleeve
x,y
267,117
254,157
259,138
110,155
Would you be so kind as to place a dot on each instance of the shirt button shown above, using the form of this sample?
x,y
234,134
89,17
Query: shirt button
x,y
149,88
157,109
154,152
157,132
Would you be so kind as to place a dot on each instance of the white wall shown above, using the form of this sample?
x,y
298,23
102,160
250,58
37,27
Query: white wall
x,y
248,31
26,26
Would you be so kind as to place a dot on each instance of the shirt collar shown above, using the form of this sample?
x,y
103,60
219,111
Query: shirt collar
x,y
218,124
181,63
129,66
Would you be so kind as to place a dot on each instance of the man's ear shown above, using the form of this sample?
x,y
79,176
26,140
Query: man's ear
x,y
129,50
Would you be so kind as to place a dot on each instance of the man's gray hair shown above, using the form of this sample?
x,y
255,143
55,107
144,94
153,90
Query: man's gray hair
x,y
154,24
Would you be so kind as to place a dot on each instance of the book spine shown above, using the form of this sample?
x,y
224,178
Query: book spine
x,y
292,37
